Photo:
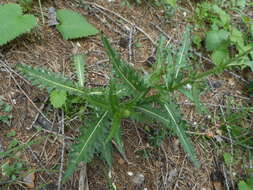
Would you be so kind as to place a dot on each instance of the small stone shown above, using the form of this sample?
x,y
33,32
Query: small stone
x,y
150,61
123,42
216,84
138,179
130,173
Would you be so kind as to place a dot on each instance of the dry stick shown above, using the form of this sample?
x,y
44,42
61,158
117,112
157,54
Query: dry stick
x,y
107,24
62,153
35,156
119,16
229,132
112,20
9,69
26,94
180,172
130,44
45,130
41,12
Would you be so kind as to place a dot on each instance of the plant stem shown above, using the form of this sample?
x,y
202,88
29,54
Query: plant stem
x,y
215,70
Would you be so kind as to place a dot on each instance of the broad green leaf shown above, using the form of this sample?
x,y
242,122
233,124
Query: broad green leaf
x,y
220,55
73,25
182,53
224,17
244,186
58,98
171,123
86,146
236,37
79,66
215,38
13,23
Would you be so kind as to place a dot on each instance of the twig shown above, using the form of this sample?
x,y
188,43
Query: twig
x,y
130,43
62,153
41,12
26,94
119,16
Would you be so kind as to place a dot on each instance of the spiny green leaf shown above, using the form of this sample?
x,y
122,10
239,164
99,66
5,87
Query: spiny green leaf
x,y
114,128
74,25
79,66
171,123
123,70
85,148
13,23
153,79
186,143
58,98
106,153
182,53
48,79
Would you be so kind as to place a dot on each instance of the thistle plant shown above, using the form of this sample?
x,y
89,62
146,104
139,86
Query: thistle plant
x,y
128,95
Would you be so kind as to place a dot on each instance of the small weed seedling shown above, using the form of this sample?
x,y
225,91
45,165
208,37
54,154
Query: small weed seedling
x,y
128,95
6,109
222,38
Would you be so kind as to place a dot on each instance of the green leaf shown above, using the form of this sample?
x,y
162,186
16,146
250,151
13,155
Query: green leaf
x,y
228,158
186,143
251,30
79,66
220,55
85,148
115,127
215,38
58,98
244,186
224,17
106,153
154,78
173,3
171,122
74,25
13,23
193,94
124,71
48,79
182,53
12,133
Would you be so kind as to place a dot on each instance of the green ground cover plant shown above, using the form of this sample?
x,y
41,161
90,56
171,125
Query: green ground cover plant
x,y
128,95
72,24
6,110
222,37
17,22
